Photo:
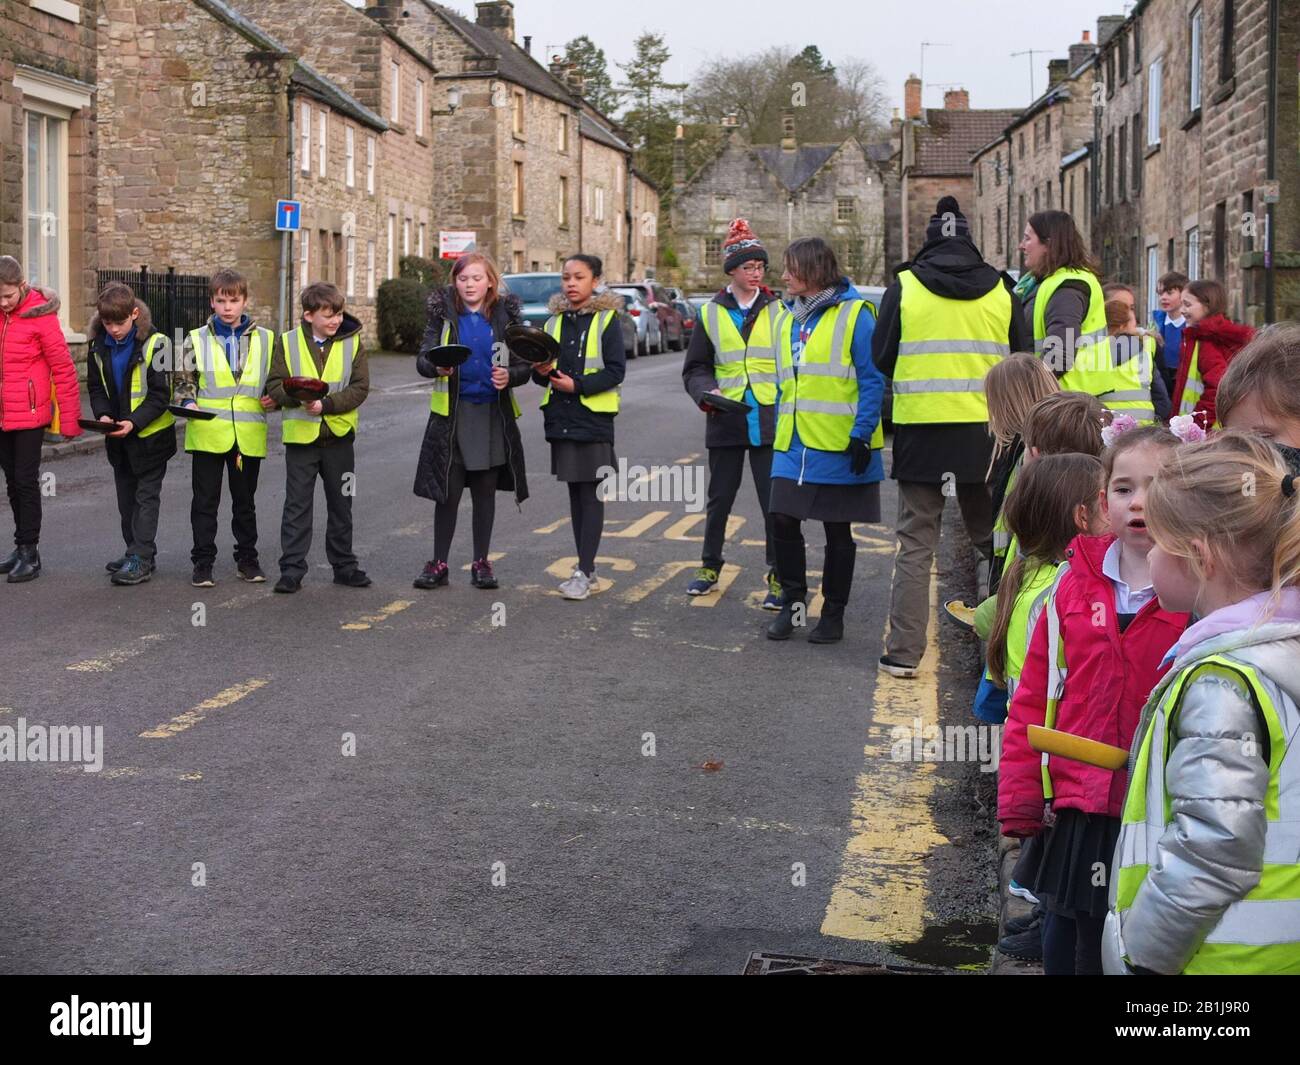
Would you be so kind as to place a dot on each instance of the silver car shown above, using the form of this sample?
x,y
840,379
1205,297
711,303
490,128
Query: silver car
x,y
649,339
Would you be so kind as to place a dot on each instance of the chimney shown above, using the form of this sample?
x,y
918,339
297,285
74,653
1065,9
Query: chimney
x,y
912,97
1057,69
956,100
528,44
497,16
1106,28
679,160
574,80
895,123
789,142
1083,51
559,67
385,11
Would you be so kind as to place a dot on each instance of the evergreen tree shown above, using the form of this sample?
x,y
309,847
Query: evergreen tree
x,y
591,64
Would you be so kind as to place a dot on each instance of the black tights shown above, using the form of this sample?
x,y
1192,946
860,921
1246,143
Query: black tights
x,y
838,533
587,513
483,497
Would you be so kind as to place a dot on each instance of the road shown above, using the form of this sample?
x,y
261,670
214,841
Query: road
x,y
391,780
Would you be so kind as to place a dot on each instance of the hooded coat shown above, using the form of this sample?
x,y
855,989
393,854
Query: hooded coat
x,y
565,416
432,471
34,364
953,268
1220,339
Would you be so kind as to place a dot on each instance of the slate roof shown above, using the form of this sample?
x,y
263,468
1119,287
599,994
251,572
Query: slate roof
x,y
946,143
793,169
593,130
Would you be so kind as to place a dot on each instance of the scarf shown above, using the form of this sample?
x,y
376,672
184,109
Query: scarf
x,y
804,307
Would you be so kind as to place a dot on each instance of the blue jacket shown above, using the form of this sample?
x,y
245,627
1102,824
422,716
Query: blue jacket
x,y
1173,335
811,466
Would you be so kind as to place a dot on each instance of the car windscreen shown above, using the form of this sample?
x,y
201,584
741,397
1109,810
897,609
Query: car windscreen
x,y
532,289
630,295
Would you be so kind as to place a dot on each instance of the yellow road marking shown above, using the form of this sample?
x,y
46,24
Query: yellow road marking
x,y
493,556
113,659
687,458
725,579
881,891
383,614
663,575
553,526
192,717
678,530
562,569
641,525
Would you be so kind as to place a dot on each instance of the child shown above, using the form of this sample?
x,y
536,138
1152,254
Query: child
x,y
34,363
1095,655
129,385
1169,322
1210,341
581,402
471,437
320,435
1258,393
1204,873
1127,341
224,371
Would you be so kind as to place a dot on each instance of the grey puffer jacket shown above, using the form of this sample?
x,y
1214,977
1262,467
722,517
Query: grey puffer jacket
x,y
1212,853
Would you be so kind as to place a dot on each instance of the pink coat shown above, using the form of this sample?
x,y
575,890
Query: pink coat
x,y
34,362
1109,675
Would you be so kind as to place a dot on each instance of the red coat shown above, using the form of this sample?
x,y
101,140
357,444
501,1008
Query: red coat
x,y
1108,678
1220,339
34,361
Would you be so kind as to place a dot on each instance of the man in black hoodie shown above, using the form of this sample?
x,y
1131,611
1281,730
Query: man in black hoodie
x,y
943,324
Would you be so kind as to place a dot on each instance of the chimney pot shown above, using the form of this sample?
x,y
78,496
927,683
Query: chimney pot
x,y
1087,36
912,97
956,100
528,44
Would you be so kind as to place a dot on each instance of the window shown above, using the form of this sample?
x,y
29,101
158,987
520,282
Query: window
x,y
518,205
1121,185
340,261
350,150
419,107
517,262
600,204
979,180
1137,44
563,213
1038,135
997,228
395,91
1227,54
1022,144
406,236
304,258
1153,272
1137,154
1220,238
1194,86
352,267
1153,102
370,165
997,170
392,246
1110,73
1047,127
712,251
1087,196
323,239
370,269
1194,253
1070,205
45,247
419,243
1122,48
1037,201
1047,195
1110,168
846,209
618,225
304,150
321,156
1169,260
562,141
517,114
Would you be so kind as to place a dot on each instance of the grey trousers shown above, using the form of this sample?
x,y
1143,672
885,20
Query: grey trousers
x,y
920,517
303,463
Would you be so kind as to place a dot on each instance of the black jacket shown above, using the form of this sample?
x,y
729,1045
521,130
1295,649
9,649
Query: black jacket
x,y
951,267
725,430
133,451
434,465
565,416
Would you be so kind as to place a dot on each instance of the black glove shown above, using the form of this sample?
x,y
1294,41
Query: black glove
x,y
859,455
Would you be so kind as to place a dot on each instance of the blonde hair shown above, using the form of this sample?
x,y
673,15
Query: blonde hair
x,y
1230,494
1012,387
1266,368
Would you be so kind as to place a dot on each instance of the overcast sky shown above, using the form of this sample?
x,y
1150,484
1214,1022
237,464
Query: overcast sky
x,y
980,35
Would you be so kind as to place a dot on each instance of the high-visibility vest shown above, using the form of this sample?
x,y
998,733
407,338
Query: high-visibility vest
x,y
240,421
593,361
1002,538
139,386
1259,933
1120,385
1056,670
299,426
945,349
822,398
440,397
1035,589
1194,386
739,364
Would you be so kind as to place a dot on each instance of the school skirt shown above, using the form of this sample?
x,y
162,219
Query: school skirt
x,y
825,502
480,435
578,460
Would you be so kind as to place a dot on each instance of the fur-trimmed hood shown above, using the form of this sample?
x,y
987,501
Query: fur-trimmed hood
x,y
441,303
50,302
602,300
143,324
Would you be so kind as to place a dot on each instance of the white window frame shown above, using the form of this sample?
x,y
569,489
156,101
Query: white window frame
x,y
370,269
350,154
304,258
1153,274
406,236
1155,74
419,107
392,245
618,225
395,91
305,141
517,193
351,243
562,143
1197,51
1194,253
563,214
419,240
600,203
322,151
53,223
518,115
370,165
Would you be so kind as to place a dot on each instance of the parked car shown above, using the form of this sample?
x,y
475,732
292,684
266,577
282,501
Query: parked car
x,y
534,292
657,298
689,316
649,334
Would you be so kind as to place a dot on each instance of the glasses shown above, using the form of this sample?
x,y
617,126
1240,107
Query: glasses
x,y
754,267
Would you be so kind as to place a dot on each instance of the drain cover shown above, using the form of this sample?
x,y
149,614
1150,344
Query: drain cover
x,y
762,964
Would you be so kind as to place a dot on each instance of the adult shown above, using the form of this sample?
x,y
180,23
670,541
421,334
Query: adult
x,y
947,319
471,437
34,365
1067,312
1210,340
732,355
826,464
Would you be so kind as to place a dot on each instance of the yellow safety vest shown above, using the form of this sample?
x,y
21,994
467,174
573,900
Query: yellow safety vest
x,y
593,361
1035,590
945,349
1259,933
139,387
823,396
739,364
299,426
1194,386
440,397
1002,538
1120,385
240,421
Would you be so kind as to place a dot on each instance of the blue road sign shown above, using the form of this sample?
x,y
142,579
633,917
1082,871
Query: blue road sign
x,y
288,215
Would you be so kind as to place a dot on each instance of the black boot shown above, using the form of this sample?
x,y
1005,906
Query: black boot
x,y
28,567
837,579
10,560
792,568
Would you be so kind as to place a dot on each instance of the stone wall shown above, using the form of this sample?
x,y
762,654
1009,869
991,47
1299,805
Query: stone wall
x,y
604,233
988,211
922,194
644,228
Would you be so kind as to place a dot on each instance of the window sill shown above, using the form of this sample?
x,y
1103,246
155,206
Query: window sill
x,y
1151,150
422,140
519,138
396,127
1225,90
1192,120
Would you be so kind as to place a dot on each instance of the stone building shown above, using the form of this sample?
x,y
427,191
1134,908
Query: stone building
x,y
934,157
48,141
1197,151
199,109
605,163
1034,163
786,191
643,227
